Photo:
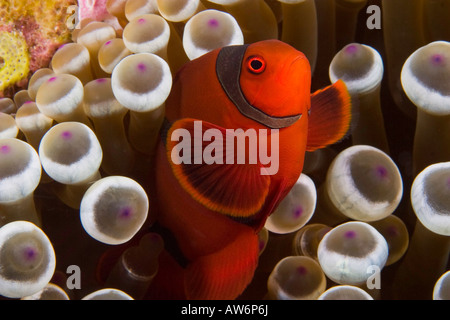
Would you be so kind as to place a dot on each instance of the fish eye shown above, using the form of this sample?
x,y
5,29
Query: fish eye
x,y
256,64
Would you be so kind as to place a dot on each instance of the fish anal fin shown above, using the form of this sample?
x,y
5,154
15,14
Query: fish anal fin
x,y
331,112
224,274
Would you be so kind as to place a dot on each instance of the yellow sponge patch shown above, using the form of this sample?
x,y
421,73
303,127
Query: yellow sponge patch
x,y
14,58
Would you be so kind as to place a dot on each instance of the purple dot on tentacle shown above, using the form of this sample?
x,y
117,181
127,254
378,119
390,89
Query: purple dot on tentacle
x,y
141,20
108,42
141,67
351,49
125,213
437,59
66,135
52,79
302,270
100,80
29,254
350,234
298,212
392,231
213,23
381,171
5,149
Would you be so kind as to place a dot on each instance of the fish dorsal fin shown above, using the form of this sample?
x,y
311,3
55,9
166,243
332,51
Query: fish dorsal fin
x,y
234,189
330,116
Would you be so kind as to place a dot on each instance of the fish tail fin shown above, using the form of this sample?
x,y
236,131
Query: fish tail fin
x,y
331,113
226,273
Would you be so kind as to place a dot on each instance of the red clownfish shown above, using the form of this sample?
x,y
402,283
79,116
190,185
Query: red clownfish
x,y
210,203
213,211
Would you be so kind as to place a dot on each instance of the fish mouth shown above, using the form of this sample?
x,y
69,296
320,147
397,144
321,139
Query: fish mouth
x,y
228,70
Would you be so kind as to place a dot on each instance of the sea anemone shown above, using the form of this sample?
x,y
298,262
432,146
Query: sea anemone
x,y
209,30
348,251
296,208
27,258
20,174
110,54
49,292
296,278
345,292
83,88
363,183
137,266
441,288
107,116
71,154
74,59
361,68
141,83
108,294
113,209
424,76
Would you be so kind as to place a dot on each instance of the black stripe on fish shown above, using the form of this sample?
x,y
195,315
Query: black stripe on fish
x,y
228,70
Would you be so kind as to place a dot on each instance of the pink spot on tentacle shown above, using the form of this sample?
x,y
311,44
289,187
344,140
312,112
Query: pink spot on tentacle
x,y
392,231
5,149
351,49
125,213
66,135
29,254
141,67
351,234
437,59
302,270
381,171
213,23
298,212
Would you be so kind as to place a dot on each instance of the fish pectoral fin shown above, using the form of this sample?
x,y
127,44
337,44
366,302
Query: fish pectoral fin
x,y
204,163
224,274
330,117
